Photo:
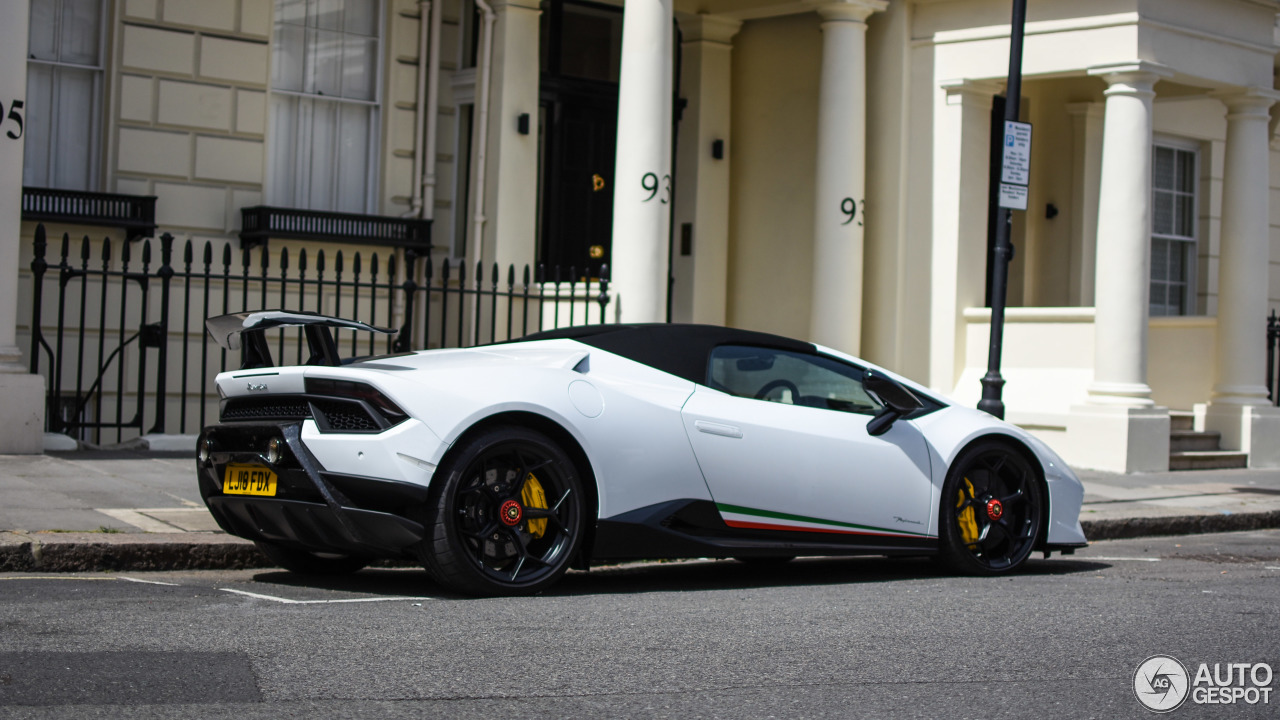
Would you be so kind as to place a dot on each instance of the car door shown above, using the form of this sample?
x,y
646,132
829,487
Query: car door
x,y
782,441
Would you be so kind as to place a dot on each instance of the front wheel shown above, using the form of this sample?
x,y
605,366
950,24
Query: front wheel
x,y
993,509
507,516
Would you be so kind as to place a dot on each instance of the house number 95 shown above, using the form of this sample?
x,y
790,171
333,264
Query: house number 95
x,y
13,118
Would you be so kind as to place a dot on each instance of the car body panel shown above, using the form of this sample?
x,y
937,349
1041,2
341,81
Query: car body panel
x,y
785,466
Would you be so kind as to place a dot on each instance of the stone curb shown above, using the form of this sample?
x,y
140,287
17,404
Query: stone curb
x,y
1178,525
134,552
96,552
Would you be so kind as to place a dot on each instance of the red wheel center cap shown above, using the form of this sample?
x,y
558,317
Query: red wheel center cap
x,y
511,512
994,509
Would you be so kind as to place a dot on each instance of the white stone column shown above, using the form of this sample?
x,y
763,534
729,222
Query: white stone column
x,y
511,179
840,191
642,194
961,163
1239,407
22,422
1120,429
702,187
1123,272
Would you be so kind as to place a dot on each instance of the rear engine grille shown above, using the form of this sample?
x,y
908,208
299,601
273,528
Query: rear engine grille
x,y
265,408
346,416
331,414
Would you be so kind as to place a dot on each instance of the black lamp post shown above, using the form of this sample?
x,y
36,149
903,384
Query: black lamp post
x,y
992,382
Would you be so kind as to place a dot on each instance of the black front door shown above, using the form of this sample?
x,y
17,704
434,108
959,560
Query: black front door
x,y
580,130
581,58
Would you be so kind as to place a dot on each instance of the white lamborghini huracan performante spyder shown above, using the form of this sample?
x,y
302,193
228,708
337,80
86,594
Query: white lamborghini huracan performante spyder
x,y
499,467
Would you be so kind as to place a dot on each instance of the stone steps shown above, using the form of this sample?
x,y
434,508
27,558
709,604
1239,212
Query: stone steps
x,y
1192,450
1192,441
1208,460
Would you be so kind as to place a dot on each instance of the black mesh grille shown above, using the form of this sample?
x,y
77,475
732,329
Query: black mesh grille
x,y
346,416
265,408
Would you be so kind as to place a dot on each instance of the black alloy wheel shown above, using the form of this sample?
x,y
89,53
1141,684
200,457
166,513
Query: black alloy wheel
x,y
993,510
305,562
507,517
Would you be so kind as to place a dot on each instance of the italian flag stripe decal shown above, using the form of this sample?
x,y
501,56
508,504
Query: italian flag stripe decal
x,y
751,518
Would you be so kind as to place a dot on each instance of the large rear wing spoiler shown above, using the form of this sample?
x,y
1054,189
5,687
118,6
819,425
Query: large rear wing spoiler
x,y
246,332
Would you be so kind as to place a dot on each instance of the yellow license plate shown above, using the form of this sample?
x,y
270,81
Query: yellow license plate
x,y
248,480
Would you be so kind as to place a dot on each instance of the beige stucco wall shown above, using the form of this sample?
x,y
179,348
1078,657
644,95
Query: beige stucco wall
x,y
774,110
187,104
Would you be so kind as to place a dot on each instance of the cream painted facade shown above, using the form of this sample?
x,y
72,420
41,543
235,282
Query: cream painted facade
x,y
848,203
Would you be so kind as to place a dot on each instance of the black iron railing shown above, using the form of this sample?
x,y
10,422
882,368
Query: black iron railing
x,y
261,222
1273,353
135,213
123,347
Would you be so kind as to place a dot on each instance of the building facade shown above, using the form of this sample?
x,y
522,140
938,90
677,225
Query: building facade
x,y
818,169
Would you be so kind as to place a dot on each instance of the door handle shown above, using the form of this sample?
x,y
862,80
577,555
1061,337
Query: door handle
x,y
711,428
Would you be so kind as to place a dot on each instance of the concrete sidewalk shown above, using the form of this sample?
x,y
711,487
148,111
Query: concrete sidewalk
x,y
134,510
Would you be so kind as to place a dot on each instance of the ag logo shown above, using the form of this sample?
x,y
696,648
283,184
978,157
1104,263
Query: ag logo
x,y
1161,683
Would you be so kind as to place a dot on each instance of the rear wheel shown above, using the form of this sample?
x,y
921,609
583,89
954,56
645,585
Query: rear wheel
x,y
305,562
507,517
992,510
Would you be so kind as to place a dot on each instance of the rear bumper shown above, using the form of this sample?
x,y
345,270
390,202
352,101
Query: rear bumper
x,y
312,509
314,526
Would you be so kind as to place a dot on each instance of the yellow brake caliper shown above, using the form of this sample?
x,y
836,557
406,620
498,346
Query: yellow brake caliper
x,y
532,496
966,518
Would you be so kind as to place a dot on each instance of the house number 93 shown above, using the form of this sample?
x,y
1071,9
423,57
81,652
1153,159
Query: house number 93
x,y
850,208
14,118
650,184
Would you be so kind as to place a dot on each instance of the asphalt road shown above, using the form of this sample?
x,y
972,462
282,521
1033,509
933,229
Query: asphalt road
x,y
815,638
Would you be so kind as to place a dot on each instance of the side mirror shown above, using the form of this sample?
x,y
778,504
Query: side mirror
x,y
898,401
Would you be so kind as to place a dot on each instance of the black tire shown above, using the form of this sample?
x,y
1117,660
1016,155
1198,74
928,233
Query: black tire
x,y
304,562
483,531
993,510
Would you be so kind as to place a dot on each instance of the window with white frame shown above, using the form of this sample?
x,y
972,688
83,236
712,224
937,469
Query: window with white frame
x,y
325,97
1173,236
64,94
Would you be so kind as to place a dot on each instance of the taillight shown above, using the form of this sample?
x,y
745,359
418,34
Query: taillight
x,y
356,391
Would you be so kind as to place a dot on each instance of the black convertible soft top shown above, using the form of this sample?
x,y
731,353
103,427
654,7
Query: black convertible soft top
x,y
683,350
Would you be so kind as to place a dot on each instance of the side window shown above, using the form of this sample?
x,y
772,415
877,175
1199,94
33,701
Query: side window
x,y
790,378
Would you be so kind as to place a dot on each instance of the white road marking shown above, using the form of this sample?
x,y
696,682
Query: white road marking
x,y
1117,559
1270,567
138,520
287,601
147,582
